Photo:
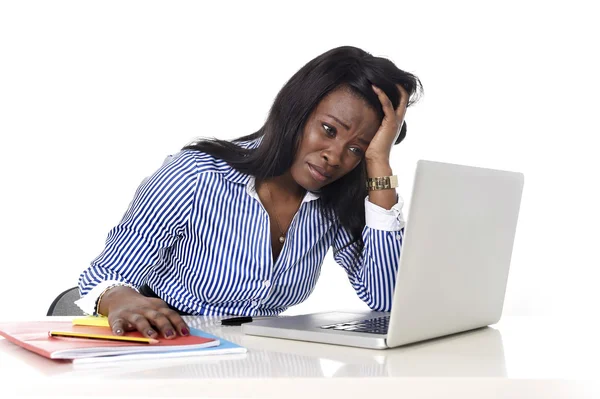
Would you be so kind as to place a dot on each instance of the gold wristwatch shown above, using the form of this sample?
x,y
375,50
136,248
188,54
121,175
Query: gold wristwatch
x,y
382,183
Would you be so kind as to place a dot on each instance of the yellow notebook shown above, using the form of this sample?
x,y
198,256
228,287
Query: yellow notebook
x,y
98,321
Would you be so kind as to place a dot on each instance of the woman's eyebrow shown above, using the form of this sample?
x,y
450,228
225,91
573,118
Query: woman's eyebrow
x,y
346,125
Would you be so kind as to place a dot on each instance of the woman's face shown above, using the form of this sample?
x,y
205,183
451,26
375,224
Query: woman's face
x,y
334,140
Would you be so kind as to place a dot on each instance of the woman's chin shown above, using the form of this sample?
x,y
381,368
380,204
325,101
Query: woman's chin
x,y
311,184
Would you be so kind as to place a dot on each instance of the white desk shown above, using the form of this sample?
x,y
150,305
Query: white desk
x,y
519,357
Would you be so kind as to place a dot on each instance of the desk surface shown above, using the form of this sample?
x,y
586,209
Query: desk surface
x,y
518,357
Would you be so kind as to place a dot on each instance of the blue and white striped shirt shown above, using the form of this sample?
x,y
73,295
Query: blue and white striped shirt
x,y
198,235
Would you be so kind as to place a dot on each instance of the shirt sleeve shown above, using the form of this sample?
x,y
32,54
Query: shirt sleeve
x,y
372,271
154,221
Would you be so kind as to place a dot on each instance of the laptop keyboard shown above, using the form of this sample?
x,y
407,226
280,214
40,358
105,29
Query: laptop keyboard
x,y
377,325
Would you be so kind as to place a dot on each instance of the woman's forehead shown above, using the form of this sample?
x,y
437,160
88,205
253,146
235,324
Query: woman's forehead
x,y
347,107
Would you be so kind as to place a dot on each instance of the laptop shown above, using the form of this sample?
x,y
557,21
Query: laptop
x,y
453,268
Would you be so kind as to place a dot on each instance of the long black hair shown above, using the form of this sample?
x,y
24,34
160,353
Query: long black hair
x,y
347,66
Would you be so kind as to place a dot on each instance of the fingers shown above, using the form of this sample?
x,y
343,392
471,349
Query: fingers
x,y
141,323
117,325
177,321
386,104
403,95
150,321
393,118
388,108
129,327
130,322
173,320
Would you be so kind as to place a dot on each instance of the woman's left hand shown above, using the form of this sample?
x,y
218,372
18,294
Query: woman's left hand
x,y
380,147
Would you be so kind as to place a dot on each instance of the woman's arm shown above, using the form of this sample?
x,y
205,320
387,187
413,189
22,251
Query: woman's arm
x,y
377,156
372,271
155,219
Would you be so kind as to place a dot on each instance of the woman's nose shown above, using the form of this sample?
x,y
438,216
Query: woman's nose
x,y
332,155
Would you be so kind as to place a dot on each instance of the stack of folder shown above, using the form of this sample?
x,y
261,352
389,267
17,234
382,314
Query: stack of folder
x,y
90,340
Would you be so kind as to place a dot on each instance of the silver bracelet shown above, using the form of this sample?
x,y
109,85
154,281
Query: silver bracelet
x,y
97,307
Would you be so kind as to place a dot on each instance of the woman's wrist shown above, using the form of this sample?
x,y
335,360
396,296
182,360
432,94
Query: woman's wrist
x,y
105,299
378,169
386,198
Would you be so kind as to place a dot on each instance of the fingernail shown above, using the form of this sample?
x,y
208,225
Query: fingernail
x,y
169,333
151,332
118,331
185,331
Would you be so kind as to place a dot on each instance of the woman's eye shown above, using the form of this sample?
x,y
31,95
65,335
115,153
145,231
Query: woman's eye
x,y
356,151
330,131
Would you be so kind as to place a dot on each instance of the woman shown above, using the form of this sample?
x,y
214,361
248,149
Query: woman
x,y
242,227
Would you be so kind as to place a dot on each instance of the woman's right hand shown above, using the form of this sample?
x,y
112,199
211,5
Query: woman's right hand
x,y
129,310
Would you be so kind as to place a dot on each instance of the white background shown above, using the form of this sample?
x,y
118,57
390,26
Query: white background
x,y
94,95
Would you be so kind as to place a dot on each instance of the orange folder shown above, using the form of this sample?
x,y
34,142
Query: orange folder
x,y
34,336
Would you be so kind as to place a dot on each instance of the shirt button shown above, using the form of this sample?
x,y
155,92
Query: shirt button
x,y
254,303
267,284
398,237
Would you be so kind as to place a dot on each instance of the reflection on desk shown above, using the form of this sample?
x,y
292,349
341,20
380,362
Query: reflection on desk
x,y
477,353
531,358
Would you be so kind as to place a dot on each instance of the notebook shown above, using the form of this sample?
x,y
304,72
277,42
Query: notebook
x,y
34,337
225,348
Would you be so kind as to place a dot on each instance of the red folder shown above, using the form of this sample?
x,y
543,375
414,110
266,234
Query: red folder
x,y
33,336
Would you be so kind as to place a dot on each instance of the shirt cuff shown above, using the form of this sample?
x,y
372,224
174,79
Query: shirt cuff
x,y
87,303
379,218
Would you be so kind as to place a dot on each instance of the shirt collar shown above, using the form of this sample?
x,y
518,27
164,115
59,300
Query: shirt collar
x,y
251,191
236,176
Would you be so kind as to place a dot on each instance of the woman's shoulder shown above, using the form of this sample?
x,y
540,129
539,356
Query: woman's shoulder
x,y
202,161
205,164
208,162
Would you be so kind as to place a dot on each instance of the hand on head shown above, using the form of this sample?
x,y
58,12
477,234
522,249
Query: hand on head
x,y
380,147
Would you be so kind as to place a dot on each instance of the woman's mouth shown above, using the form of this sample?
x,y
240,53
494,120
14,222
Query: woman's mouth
x,y
318,176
